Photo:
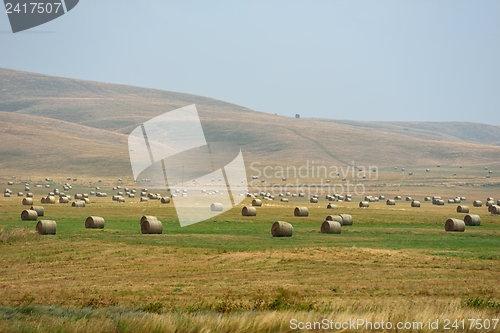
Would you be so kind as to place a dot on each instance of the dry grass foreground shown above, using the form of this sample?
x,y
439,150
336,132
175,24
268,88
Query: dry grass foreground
x,y
137,288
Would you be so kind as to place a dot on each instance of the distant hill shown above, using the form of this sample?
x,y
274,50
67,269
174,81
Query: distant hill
x,y
52,124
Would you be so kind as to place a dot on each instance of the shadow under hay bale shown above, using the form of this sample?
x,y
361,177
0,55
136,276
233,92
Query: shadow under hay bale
x,y
46,227
331,227
94,222
454,225
301,211
249,211
281,229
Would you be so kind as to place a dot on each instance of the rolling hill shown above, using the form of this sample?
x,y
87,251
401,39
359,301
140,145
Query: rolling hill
x,y
52,125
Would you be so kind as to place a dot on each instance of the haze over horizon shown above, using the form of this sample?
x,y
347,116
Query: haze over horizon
x,y
377,61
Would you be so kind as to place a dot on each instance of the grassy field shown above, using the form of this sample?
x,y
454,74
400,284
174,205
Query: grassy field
x,y
395,264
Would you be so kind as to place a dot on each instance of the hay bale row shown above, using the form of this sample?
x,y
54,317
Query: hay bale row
x,y
46,227
281,229
94,222
301,211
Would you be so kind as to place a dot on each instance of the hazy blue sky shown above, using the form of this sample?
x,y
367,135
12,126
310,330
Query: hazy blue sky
x,y
372,60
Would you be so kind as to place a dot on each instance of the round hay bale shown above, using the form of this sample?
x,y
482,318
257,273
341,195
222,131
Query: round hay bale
x,y
27,201
331,206
78,196
249,211
86,200
313,200
346,219
427,199
20,194
165,200
216,207
390,202
439,202
472,220
348,200
42,200
10,183
301,211
454,225
284,199
494,209
63,200
39,210
397,197
415,204
50,200
331,227
382,197
490,199
46,227
78,204
336,218
94,222
6,195
409,199
364,204
478,203
281,229
257,202
122,199
148,218
498,202
153,226
29,195
490,203
462,209
29,215
144,199
302,195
